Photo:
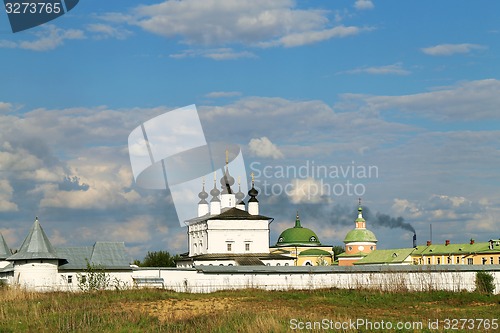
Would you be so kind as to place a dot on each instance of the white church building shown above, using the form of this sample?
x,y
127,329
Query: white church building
x,y
225,233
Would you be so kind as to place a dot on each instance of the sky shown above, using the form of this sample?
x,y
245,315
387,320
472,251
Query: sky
x,y
394,102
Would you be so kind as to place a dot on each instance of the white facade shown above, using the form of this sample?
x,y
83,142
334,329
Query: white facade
x,y
224,226
216,236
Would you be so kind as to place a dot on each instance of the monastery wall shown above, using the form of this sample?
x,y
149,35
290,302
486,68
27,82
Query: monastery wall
x,y
387,278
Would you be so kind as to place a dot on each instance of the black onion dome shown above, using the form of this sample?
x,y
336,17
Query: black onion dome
x,y
253,192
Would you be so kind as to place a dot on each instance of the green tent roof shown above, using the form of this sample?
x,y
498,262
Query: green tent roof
x,y
35,246
360,235
298,236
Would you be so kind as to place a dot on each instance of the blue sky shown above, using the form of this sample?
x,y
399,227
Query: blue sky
x,y
412,88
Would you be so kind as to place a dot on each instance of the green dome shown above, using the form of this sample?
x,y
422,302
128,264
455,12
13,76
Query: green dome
x,y
298,236
360,235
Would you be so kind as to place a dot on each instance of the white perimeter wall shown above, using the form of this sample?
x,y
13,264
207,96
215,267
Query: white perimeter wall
x,y
192,280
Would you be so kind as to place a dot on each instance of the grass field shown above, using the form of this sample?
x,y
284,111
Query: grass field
x,y
150,310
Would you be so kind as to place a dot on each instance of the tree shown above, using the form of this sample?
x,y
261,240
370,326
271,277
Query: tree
x,y
337,249
484,282
93,278
158,259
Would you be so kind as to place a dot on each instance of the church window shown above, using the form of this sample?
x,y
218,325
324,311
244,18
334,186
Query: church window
x,y
278,264
286,264
229,246
428,261
308,263
470,261
449,260
312,239
491,260
484,261
247,246
439,261
458,260
280,239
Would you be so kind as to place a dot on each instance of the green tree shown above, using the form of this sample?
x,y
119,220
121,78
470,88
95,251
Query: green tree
x,y
337,249
93,278
158,259
484,282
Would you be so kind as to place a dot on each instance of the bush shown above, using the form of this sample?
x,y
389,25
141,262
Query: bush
x,y
484,282
93,278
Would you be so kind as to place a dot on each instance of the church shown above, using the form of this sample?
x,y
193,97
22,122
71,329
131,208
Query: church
x,y
227,232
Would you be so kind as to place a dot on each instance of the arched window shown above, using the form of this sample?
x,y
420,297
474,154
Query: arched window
x,y
312,239
280,239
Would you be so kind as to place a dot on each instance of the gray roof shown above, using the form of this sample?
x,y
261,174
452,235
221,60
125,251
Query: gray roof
x,y
35,246
232,213
243,257
106,255
4,249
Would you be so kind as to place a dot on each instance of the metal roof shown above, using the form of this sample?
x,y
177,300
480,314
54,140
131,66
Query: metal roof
x,y
35,246
389,256
4,248
106,255
229,214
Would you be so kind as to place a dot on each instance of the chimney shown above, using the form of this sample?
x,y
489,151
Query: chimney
x,y
447,242
471,241
414,240
429,243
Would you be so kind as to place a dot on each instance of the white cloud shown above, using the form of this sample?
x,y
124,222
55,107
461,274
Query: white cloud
x,y
6,192
450,49
307,190
5,107
104,31
310,37
223,94
214,54
472,100
263,147
256,23
396,69
50,37
363,4
406,208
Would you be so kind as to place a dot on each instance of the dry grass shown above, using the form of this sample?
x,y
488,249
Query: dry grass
x,y
232,311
